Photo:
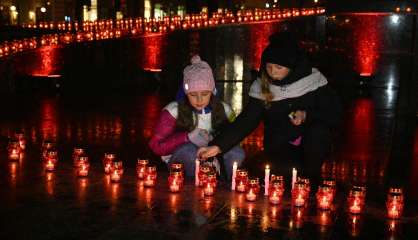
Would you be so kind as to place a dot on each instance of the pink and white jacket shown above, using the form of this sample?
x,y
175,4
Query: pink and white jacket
x,y
166,137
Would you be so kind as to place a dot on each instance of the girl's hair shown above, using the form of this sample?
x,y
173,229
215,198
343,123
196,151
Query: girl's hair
x,y
187,118
265,87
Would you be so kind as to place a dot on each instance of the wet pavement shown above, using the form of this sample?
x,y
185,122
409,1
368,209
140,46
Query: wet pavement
x,y
377,146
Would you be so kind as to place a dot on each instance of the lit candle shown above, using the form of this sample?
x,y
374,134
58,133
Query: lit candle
x,y
107,161
14,150
21,138
395,204
175,181
324,197
83,166
276,191
116,171
299,194
294,176
197,169
140,168
253,189
356,199
50,165
241,181
266,180
77,152
209,185
234,175
150,176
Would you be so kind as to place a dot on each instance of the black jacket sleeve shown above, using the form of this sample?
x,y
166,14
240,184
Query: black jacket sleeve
x,y
243,125
327,108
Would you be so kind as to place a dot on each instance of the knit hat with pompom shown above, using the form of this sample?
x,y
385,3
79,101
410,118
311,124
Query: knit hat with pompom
x,y
198,76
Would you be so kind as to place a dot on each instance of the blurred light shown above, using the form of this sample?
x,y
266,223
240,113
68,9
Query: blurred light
x,y
267,5
31,15
12,8
408,9
315,1
398,9
43,9
395,19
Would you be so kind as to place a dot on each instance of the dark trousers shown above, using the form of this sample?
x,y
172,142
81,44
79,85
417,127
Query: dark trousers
x,y
307,158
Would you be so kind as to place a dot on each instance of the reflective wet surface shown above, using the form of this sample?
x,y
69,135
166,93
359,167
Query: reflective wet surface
x,y
376,146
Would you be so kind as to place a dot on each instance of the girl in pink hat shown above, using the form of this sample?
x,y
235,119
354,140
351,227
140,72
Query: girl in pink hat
x,y
191,122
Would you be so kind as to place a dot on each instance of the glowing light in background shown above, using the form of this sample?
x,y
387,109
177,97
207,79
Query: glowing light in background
x,y
49,121
46,65
151,52
259,38
367,42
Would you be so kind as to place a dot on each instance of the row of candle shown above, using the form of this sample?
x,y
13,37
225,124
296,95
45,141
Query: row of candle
x,y
206,178
101,30
258,14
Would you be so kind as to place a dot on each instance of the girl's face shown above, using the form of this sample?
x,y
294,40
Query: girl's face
x,y
276,72
199,99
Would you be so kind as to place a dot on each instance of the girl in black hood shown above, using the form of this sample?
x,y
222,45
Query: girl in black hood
x,y
298,108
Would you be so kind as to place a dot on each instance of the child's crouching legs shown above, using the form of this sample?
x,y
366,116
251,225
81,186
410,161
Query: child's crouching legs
x,y
186,154
236,154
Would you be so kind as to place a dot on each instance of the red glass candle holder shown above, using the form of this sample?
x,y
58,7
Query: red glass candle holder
x,y
395,203
209,186
83,166
116,171
299,195
51,160
307,184
356,200
276,191
175,182
202,174
140,168
241,181
14,150
252,190
324,197
332,184
77,152
150,176
107,162
46,146
21,139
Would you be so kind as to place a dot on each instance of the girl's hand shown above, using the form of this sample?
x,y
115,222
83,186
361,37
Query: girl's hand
x,y
298,117
207,152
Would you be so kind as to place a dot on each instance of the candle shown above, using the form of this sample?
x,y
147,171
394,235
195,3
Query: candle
x,y
175,181
116,171
150,176
276,192
197,169
83,166
294,175
46,146
51,160
234,175
21,138
324,197
14,150
395,203
241,181
253,189
202,175
356,199
50,165
266,180
77,152
107,161
332,184
209,185
140,168
299,194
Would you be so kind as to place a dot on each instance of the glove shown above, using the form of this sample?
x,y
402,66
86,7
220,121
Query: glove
x,y
199,137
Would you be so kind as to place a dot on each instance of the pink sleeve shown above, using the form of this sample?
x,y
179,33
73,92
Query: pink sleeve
x,y
165,138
